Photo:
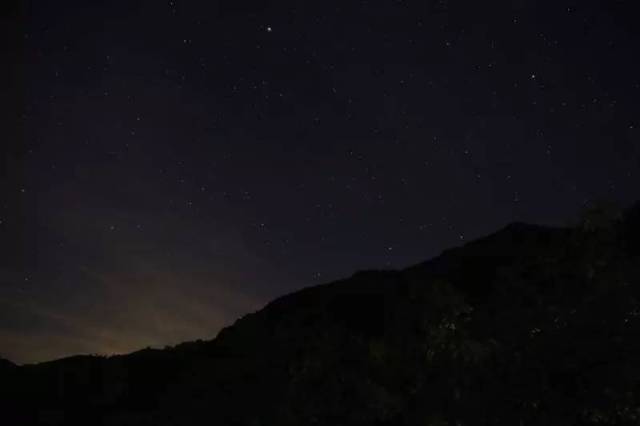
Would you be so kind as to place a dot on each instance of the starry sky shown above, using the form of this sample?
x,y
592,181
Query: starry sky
x,y
170,165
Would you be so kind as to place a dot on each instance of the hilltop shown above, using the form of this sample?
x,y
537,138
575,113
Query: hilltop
x,y
531,325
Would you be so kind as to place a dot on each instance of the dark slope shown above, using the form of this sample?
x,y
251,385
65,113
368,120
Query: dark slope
x,y
6,365
531,326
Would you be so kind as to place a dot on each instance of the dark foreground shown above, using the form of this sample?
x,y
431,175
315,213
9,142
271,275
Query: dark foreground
x,y
529,326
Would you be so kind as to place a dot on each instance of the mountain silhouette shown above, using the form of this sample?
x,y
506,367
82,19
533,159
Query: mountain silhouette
x,y
6,365
531,325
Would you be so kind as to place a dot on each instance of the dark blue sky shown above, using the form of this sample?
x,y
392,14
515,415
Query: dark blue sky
x,y
177,164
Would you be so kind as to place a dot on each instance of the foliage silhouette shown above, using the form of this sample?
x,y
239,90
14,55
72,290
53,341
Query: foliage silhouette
x,y
528,326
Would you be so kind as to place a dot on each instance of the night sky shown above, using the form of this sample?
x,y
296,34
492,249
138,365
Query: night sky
x,y
173,165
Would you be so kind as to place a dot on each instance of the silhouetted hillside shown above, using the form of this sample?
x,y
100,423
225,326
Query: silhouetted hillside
x,y
6,365
528,326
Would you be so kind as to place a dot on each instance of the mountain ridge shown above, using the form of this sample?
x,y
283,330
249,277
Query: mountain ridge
x,y
530,324
356,274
